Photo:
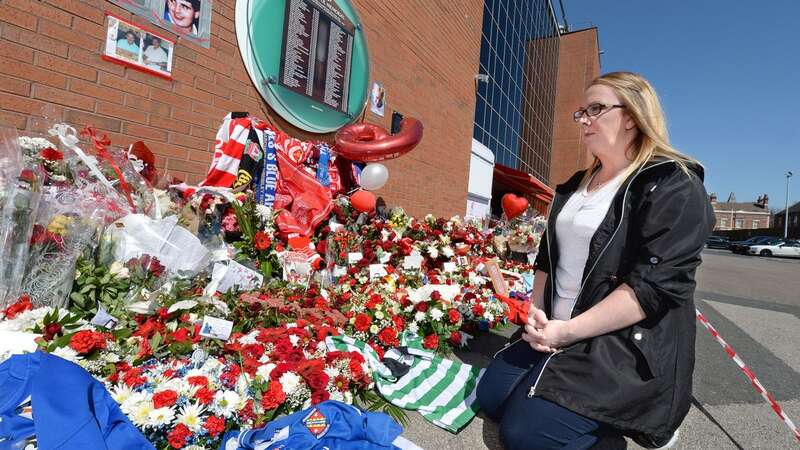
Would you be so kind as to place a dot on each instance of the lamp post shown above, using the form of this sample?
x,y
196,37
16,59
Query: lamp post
x,y
786,211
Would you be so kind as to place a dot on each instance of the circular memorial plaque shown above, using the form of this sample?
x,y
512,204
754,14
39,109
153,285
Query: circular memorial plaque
x,y
307,58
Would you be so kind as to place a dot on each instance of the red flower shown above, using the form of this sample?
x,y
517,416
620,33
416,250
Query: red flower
x,y
198,380
421,306
178,436
163,313
274,397
341,383
454,315
180,335
21,305
435,295
51,330
214,425
363,322
204,395
134,377
398,322
455,337
388,336
431,342
86,341
317,380
165,398
477,310
374,301
319,396
262,241
52,154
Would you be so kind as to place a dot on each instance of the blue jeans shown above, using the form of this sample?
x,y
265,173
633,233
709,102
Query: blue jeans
x,y
530,423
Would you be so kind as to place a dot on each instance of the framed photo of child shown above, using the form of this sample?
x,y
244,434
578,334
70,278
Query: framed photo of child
x,y
137,47
189,19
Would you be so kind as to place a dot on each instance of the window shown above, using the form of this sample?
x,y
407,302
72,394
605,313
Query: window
x,y
723,223
795,219
755,224
739,224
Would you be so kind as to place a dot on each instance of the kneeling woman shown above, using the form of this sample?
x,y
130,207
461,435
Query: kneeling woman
x,y
609,344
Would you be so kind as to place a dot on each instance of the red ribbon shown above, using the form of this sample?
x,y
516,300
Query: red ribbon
x,y
100,144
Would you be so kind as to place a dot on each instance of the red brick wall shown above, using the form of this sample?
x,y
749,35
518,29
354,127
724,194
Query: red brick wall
x,y
578,65
425,54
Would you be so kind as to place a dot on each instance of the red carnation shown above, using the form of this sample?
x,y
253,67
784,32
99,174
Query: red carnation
x,y
180,335
363,322
398,322
198,380
204,395
431,342
274,397
86,341
317,380
435,295
214,425
178,436
165,398
388,336
21,305
319,396
52,154
262,240
421,306
454,315
134,377
455,338
477,310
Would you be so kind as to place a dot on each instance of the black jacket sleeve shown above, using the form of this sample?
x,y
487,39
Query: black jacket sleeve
x,y
669,229
542,260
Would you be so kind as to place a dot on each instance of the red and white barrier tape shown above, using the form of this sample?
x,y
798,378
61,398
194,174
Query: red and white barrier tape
x,y
749,374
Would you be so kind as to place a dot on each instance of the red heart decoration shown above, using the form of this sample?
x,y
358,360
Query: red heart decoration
x,y
513,206
363,201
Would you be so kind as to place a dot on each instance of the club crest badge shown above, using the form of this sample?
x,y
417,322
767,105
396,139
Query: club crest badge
x,y
317,423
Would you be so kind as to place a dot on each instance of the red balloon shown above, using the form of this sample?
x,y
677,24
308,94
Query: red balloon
x,y
363,201
369,143
513,206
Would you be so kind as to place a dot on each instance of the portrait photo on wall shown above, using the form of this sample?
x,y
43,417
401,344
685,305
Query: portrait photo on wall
x,y
377,99
135,47
189,19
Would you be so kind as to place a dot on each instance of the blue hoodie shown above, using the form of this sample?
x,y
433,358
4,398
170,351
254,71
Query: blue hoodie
x,y
331,425
71,409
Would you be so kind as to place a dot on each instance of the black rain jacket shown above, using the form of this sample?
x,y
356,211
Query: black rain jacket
x,y
637,379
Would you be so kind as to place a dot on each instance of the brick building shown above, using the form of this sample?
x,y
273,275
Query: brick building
x,y
733,215
426,55
779,220
579,64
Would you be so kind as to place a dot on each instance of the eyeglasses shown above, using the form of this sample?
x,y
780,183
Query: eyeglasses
x,y
593,110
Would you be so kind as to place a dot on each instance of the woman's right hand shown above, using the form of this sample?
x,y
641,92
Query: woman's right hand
x,y
537,320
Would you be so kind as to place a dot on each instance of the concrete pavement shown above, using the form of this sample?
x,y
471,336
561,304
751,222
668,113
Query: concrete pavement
x,y
754,303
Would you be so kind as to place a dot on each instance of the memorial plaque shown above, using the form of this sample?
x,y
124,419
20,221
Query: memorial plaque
x,y
317,52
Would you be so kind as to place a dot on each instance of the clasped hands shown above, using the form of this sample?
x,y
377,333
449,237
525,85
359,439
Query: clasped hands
x,y
546,335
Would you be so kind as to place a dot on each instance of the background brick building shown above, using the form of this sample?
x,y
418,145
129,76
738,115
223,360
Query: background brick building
x,y
425,54
733,215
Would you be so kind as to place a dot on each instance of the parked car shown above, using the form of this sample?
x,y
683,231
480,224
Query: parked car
x,y
722,242
741,246
781,248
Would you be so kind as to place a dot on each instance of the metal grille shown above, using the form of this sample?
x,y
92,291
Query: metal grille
x,y
515,105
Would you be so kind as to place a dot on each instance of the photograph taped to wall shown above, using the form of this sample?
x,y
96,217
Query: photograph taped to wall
x,y
189,19
377,99
133,46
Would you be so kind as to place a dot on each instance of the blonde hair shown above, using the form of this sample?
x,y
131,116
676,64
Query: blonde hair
x,y
642,105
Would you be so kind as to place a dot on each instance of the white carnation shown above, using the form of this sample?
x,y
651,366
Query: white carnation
x,y
436,314
413,328
290,382
448,252
263,371
419,316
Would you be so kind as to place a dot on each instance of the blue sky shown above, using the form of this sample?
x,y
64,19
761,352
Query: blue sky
x,y
728,74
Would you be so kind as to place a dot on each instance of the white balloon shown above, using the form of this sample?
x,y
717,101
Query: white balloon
x,y
374,176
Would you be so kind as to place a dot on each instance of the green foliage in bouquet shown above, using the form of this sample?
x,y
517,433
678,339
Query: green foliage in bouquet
x,y
94,284
257,228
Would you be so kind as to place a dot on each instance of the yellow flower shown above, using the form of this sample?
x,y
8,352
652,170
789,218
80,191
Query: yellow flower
x,y
59,224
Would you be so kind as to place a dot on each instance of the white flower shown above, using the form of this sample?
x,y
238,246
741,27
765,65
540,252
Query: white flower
x,y
67,353
263,371
348,397
121,393
290,381
413,328
436,314
448,252
433,251
227,402
132,402
488,316
141,413
160,416
379,315
374,329
408,308
119,270
337,395
294,340
190,416
419,316
332,372
264,214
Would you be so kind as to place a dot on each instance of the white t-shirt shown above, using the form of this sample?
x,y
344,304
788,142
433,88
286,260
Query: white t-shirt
x,y
154,57
575,226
